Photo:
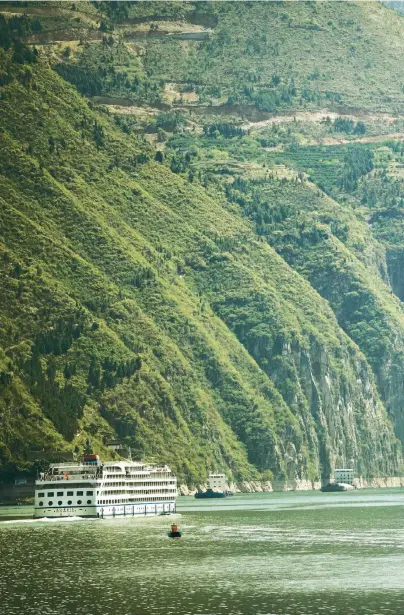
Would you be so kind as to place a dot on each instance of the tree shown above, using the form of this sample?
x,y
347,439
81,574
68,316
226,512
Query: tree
x,y
360,128
99,135
94,374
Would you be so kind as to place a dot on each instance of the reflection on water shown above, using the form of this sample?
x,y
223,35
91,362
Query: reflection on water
x,y
294,554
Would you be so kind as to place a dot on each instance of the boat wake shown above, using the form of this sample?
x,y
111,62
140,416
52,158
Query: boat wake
x,y
65,519
46,520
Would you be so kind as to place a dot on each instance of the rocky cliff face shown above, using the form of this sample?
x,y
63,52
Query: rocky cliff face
x,y
334,392
337,406
349,270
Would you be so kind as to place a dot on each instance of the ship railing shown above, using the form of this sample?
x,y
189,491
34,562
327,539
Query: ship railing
x,y
68,477
151,488
156,475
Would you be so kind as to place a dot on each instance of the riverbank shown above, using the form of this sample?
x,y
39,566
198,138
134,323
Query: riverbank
x,y
387,482
11,495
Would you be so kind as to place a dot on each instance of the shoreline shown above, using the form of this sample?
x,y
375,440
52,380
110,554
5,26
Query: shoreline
x,y
388,482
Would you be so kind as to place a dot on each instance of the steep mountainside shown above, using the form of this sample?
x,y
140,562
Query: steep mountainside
x,y
208,291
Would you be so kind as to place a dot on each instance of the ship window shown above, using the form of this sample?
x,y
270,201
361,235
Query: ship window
x,y
51,494
88,501
59,493
60,503
78,501
69,493
69,502
50,503
41,495
79,493
89,493
40,503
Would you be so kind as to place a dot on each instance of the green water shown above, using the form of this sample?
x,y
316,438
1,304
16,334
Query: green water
x,y
261,554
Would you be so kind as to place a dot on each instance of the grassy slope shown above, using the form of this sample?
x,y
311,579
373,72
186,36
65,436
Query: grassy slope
x,y
337,55
323,46
335,250
126,260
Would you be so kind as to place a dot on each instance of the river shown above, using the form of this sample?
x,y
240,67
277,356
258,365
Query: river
x,y
292,553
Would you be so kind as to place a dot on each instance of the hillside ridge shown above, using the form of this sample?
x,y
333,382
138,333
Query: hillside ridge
x,y
208,291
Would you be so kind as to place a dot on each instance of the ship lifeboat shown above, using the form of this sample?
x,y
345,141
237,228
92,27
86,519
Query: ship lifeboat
x,y
175,531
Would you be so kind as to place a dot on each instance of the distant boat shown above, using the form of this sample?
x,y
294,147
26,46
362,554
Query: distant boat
x,y
343,481
209,493
332,487
218,488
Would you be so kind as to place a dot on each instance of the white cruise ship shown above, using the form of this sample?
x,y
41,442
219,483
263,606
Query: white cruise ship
x,y
96,489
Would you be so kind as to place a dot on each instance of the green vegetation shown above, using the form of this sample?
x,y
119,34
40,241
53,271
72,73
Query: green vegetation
x,y
312,54
347,125
254,54
11,32
206,290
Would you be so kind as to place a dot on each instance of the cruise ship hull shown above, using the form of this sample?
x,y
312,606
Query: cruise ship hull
x,y
138,509
122,488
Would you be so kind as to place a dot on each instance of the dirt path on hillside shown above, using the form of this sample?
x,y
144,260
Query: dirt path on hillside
x,y
130,107
392,135
317,116
38,11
